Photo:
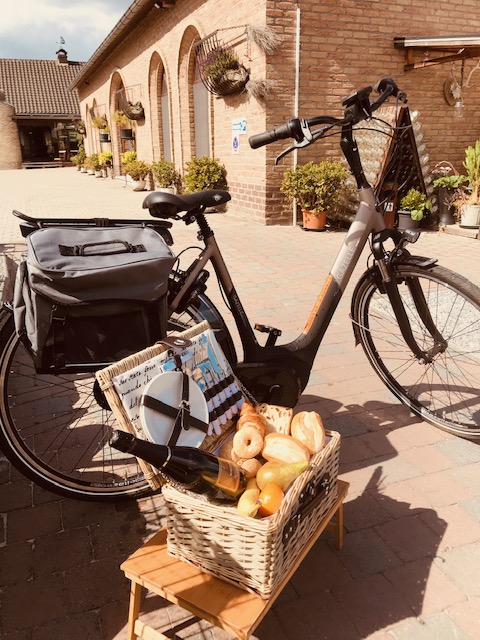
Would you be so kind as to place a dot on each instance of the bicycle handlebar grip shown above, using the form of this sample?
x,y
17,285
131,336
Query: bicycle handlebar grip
x,y
288,130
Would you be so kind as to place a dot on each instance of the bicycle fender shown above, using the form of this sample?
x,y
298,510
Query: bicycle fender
x,y
419,261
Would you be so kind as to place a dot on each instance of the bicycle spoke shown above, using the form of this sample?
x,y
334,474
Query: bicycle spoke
x,y
445,390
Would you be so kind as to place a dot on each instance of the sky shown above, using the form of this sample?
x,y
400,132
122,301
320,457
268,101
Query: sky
x,y
33,28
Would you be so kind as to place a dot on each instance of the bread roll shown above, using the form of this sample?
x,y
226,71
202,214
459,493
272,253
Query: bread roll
x,y
277,418
249,466
247,442
252,420
247,407
307,427
284,448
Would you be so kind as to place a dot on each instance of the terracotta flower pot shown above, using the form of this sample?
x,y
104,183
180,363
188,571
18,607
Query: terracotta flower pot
x,y
314,221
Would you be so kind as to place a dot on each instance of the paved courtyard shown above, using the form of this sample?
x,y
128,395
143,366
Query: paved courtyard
x,y
410,565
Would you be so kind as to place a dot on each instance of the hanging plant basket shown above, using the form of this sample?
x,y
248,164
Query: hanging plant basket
x,y
134,111
220,69
230,82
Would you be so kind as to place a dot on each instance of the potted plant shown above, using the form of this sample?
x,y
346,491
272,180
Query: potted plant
x,y
204,173
447,187
96,164
222,71
317,190
101,123
104,134
121,118
469,199
105,158
88,164
138,170
165,176
413,208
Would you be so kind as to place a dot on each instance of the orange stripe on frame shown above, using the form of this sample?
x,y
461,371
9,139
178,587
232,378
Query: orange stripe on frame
x,y
318,302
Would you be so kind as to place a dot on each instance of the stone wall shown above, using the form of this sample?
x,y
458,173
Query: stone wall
x,y
10,151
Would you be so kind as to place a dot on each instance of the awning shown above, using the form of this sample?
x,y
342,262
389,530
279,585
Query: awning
x,y
423,51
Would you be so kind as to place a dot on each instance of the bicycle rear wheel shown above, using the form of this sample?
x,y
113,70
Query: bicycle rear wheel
x,y
446,391
55,429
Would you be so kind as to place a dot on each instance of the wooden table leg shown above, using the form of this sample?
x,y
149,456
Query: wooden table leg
x,y
339,527
133,609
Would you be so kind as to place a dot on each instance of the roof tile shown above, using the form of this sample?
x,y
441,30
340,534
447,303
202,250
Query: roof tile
x,y
40,87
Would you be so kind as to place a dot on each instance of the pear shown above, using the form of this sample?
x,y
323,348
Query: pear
x,y
248,503
279,473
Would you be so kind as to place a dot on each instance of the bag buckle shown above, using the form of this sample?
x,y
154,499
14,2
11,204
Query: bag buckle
x,y
184,405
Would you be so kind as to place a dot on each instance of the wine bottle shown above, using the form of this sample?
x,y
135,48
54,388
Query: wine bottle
x,y
184,464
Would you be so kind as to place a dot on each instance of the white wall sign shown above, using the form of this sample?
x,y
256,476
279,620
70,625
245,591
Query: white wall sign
x,y
239,125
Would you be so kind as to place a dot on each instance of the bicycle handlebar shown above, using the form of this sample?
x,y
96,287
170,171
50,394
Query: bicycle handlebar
x,y
291,129
357,108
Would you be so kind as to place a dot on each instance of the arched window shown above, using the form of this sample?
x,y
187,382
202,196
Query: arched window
x,y
165,111
200,114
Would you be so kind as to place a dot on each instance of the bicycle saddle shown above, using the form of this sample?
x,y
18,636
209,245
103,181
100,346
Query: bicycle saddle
x,y
166,205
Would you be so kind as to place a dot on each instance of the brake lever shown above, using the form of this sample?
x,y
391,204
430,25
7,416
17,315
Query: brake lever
x,y
295,145
309,138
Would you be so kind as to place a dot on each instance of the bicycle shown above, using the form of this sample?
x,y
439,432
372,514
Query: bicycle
x,y
418,324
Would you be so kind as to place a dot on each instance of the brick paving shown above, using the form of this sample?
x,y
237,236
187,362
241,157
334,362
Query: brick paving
x,y
410,565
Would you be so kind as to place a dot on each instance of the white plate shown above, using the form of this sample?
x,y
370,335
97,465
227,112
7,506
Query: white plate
x,y
167,387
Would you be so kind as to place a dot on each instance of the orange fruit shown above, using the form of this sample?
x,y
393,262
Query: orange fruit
x,y
270,499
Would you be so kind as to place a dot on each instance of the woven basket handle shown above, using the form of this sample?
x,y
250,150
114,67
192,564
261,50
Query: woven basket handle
x,y
445,163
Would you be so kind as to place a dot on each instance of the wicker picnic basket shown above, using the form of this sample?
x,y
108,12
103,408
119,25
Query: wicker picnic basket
x,y
253,553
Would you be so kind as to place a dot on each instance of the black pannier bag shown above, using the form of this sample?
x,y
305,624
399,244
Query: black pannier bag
x,y
87,297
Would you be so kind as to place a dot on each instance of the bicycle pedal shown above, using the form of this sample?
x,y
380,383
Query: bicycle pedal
x,y
273,333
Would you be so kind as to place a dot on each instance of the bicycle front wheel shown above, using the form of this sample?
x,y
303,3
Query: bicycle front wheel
x,y
446,391
55,429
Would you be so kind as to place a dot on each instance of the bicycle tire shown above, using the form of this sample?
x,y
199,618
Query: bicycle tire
x,y
446,391
54,429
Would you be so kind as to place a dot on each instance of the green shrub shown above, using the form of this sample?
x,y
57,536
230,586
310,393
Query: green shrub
x,y
472,165
95,162
315,187
165,175
204,173
128,156
450,182
105,158
121,118
137,169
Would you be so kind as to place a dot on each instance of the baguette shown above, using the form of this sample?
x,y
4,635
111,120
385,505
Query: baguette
x,y
284,448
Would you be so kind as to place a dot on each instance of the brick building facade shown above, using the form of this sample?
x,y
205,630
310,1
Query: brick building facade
x,y
326,49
